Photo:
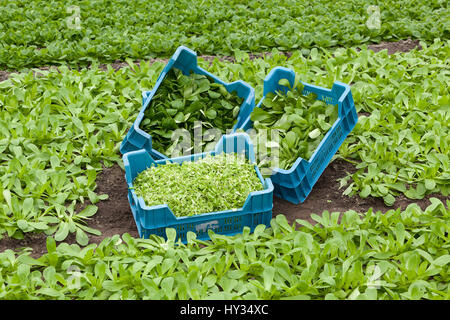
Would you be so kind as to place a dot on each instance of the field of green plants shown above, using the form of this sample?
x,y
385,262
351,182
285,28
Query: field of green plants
x,y
52,32
61,127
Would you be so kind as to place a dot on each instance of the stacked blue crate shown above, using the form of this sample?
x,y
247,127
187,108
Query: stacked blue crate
x,y
295,183
256,210
185,60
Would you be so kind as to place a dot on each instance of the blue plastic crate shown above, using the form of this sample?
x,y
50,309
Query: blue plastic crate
x,y
256,210
185,60
296,183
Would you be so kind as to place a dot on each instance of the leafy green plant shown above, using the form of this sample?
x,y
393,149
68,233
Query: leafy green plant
x,y
393,255
42,32
58,129
301,121
213,183
183,102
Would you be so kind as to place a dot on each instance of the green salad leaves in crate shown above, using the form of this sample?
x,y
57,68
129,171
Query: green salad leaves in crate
x,y
300,120
214,183
183,101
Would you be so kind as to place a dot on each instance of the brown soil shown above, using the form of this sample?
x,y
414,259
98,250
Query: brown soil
x,y
397,46
114,215
3,75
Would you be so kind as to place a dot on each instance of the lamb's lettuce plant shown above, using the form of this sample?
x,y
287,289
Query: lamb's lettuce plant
x,y
58,129
42,32
393,255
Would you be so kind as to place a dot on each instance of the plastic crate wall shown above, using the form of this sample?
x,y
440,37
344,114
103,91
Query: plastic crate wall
x,y
185,60
256,210
296,183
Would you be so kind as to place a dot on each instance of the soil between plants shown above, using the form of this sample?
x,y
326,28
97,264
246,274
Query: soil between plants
x,y
397,46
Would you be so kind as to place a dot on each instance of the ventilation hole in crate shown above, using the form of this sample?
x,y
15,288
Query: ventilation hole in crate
x,y
182,236
257,219
160,232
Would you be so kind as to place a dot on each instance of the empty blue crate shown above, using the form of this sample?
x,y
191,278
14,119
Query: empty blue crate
x,y
256,210
296,183
185,60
